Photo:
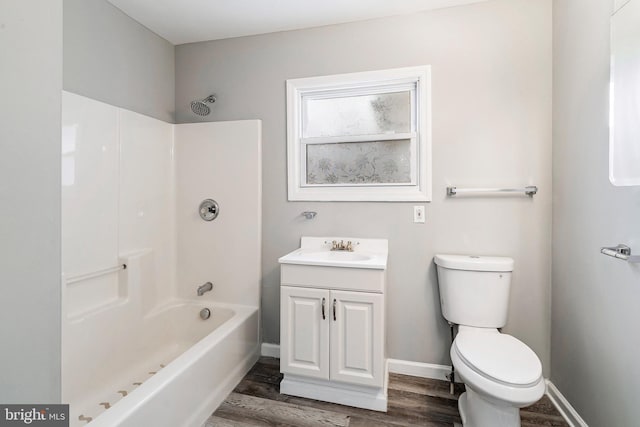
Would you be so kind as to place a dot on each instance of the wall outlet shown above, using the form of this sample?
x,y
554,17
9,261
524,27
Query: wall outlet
x,y
418,214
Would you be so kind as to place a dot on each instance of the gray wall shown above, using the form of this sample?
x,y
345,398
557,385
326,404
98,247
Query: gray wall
x,y
112,58
491,127
30,84
595,345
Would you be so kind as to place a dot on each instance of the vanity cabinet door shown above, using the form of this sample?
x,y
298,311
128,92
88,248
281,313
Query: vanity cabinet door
x,y
357,338
304,331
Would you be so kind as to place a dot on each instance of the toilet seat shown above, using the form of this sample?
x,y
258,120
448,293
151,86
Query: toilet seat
x,y
499,366
500,357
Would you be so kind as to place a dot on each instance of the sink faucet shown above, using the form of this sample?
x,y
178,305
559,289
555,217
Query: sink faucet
x,y
342,246
207,287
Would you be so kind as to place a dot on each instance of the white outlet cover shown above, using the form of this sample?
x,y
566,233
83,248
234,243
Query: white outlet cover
x,y
418,214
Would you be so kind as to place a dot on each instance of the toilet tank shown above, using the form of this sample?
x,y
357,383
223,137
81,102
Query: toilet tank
x,y
474,290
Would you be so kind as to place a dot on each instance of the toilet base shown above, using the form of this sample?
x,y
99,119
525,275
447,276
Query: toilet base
x,y
476,411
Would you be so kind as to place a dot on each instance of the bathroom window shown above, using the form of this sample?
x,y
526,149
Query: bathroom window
x,y
360,137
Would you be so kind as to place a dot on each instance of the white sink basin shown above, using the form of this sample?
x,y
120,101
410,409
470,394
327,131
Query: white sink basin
x,y
336,256
316,251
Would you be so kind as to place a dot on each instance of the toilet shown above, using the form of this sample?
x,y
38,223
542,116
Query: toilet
x,y
500,372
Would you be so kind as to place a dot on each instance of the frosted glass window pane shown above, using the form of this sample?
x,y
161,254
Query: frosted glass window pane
x,y
357,115
359,162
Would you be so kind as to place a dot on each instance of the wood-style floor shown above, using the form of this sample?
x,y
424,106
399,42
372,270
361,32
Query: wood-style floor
x,y
257,401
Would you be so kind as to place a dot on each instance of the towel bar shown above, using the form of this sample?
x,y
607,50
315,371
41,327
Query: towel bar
x,y
529,190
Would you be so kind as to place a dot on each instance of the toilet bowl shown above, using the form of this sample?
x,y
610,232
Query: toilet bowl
x,y
501,373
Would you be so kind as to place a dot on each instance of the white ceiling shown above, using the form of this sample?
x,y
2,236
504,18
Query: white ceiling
x,y
186,21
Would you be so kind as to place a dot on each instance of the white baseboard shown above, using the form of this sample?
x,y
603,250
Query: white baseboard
x,y
419,369
270,350
440,372
564,407
396,366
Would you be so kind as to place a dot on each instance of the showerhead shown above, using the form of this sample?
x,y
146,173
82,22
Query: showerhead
x,y
200,107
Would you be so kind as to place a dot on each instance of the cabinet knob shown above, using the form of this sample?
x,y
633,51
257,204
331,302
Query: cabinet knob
x,y
334,309
323,316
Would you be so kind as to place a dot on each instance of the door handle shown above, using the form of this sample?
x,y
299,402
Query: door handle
x,y
334,309
323,316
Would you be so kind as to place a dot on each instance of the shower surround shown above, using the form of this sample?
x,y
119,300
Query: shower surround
x,y
132,336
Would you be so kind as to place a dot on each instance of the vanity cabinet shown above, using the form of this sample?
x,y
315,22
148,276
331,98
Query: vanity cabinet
x,y
332,335
332,323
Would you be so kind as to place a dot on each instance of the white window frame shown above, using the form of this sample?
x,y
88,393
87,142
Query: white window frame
x,y
362,83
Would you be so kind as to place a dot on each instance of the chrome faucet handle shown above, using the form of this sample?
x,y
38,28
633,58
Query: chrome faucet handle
x,y
342,246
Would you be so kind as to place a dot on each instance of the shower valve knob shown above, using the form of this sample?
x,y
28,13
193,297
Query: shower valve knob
x,y
209,209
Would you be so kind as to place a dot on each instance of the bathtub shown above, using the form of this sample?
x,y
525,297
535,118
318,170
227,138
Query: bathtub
x,y
172,369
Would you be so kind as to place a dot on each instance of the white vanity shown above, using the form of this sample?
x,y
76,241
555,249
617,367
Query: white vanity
x,y
332,321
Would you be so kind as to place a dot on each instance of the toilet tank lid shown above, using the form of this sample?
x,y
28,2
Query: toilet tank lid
x,y
474,262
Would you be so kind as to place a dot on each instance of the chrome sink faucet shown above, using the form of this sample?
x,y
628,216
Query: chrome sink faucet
x,y
207,287
342,246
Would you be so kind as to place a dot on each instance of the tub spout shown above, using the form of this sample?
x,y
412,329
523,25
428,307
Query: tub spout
x,y
207,287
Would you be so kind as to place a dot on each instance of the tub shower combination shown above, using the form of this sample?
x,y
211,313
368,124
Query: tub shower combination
x,y
173,367
160,315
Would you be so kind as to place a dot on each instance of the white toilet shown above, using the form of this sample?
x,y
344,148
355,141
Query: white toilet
x,y
501,373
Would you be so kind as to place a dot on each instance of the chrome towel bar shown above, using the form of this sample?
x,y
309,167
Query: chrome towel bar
x,y
87,276
621,251
529,190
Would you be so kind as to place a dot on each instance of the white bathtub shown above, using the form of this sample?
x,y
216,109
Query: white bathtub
x,y
174,367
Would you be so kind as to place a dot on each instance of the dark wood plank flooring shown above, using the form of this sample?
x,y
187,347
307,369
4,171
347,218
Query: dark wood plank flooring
x,y
413,401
